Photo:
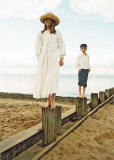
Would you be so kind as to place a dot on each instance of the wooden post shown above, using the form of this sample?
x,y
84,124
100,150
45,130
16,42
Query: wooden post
x,y
94,100
101,97
113,90
85,106
51,124
110,91
107,93
58,120
79,104
81,107
113,99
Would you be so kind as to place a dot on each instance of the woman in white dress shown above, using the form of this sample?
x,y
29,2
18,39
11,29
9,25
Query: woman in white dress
x,y
50,52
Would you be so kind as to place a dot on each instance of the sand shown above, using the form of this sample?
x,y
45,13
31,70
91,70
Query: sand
x,y
93,140
19,112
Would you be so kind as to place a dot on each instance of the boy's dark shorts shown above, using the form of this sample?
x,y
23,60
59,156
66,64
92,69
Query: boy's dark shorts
x,y
82,77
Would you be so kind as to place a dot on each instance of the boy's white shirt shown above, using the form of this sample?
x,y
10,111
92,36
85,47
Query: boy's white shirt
x,y
82,61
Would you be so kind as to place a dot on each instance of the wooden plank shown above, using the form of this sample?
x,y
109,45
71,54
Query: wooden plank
x,y
18,143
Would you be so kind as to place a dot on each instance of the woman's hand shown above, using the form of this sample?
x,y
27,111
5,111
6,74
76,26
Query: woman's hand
x,y
61,63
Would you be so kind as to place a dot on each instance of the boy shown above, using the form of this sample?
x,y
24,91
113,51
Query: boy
x,y
83,69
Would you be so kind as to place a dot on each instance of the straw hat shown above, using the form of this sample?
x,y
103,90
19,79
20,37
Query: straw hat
x,y
51,16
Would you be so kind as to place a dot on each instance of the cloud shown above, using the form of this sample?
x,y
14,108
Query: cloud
x,y
104,8
28,9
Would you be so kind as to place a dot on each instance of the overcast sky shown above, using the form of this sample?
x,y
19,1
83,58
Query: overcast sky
x,y
82,21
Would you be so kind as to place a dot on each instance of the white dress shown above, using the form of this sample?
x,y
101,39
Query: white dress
x,y
49,48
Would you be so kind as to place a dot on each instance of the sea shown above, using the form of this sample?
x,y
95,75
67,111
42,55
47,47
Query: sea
x,y
24,83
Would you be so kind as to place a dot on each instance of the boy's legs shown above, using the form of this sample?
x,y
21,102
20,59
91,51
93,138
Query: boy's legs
x,y
84,89
80,79
80,94
79,89
85,77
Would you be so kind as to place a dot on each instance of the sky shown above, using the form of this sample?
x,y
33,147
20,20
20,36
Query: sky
x,y
81,21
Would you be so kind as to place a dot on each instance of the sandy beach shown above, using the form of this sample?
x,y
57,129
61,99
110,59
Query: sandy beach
x,y
93,140
19,112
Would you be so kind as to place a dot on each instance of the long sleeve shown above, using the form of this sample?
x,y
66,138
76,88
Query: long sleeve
x,y
78,63
61,44
38,45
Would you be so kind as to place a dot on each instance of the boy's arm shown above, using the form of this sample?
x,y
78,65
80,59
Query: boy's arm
x,y
89,67
78,63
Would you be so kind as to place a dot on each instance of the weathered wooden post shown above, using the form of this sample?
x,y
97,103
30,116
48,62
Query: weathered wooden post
x,y
110,91
81,107
51,124
101,97
113,95
58,119
113,90
94,100
85,105
107,93
113,99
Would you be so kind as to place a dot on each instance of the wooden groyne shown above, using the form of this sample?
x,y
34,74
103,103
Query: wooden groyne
x,y
52,122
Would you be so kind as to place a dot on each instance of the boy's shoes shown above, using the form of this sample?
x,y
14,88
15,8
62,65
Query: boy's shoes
x,y
82,96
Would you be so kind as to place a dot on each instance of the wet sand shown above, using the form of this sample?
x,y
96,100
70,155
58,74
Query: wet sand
x,y
19,112
93,140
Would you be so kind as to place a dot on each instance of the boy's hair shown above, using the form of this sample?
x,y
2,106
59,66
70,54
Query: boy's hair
x,y
83,45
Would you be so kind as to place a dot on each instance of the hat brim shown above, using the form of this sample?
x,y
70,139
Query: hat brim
x,y
50,16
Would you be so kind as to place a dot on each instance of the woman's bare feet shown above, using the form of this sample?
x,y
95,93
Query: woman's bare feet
x,y
53,101
53,106
84,97
48,102
80,96
47,105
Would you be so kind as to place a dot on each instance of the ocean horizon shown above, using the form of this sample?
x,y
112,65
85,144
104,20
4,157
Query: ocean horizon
x,y
24,83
